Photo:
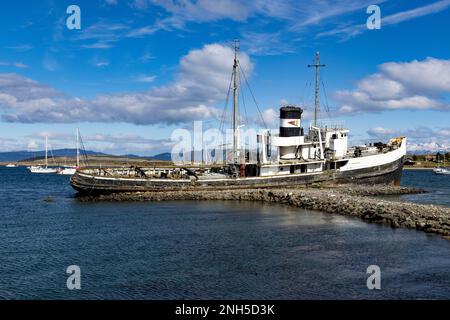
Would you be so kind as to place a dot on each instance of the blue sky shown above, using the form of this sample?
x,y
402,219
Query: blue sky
x,y
138,69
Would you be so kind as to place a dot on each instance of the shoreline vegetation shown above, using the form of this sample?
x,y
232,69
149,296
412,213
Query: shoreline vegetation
x,y
364,202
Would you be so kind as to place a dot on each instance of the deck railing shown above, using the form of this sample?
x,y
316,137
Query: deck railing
x,y
330,124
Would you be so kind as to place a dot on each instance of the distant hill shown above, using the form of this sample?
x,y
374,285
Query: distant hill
x,y
166,156
15,156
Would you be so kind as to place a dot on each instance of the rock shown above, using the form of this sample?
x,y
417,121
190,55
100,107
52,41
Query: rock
x,y
395,224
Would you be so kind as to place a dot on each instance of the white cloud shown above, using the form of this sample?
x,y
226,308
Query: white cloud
x,y
145,78
415,85
297,20
202,81
203,10
21,47
379,87
98,45
267,44
140,4
105,34
430,75
50,63
295,16
101,64
268,117
118,144
17,64
349,30
103,31
32,145
444,132
380,131
18,88
432,146
417,12
146,57
142,31
299,14
320,11
423,139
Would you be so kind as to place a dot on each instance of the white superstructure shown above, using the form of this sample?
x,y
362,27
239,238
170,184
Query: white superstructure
x,y
324,147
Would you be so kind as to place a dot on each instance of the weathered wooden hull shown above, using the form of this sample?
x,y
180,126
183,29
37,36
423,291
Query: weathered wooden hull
x,y
380,174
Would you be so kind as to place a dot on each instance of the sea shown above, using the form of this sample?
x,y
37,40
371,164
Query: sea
x,y
208,250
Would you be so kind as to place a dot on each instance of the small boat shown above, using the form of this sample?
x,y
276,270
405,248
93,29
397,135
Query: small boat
x,y
41,169
46,168
72,170
440,170
66,170
11,165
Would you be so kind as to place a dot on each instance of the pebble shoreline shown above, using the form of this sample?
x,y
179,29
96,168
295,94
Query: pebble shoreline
x,y
357,201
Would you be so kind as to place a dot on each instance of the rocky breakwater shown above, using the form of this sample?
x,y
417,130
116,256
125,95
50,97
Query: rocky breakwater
x,y
357,201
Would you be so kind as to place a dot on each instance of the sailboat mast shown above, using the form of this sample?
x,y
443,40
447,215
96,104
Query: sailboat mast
x,y
78,148
46,147
235,102
317,65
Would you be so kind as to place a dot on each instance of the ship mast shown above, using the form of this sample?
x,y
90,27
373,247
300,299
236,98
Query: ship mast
x,y
317,65
78,148
235,102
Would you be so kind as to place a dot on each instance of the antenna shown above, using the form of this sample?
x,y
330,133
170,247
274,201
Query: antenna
x,y
317,65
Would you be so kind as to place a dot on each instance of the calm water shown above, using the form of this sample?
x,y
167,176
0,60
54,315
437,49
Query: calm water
x,y
438,187
200,250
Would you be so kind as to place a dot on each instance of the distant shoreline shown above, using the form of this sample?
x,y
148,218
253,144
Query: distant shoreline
x,y
133,162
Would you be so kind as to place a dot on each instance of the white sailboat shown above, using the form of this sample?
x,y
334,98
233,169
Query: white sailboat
x,y
41,169
72,170
11,165
440,170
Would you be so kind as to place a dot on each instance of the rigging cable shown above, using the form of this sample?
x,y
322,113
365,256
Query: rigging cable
x,y
84,153
253,96
243,102
222,121
327,107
